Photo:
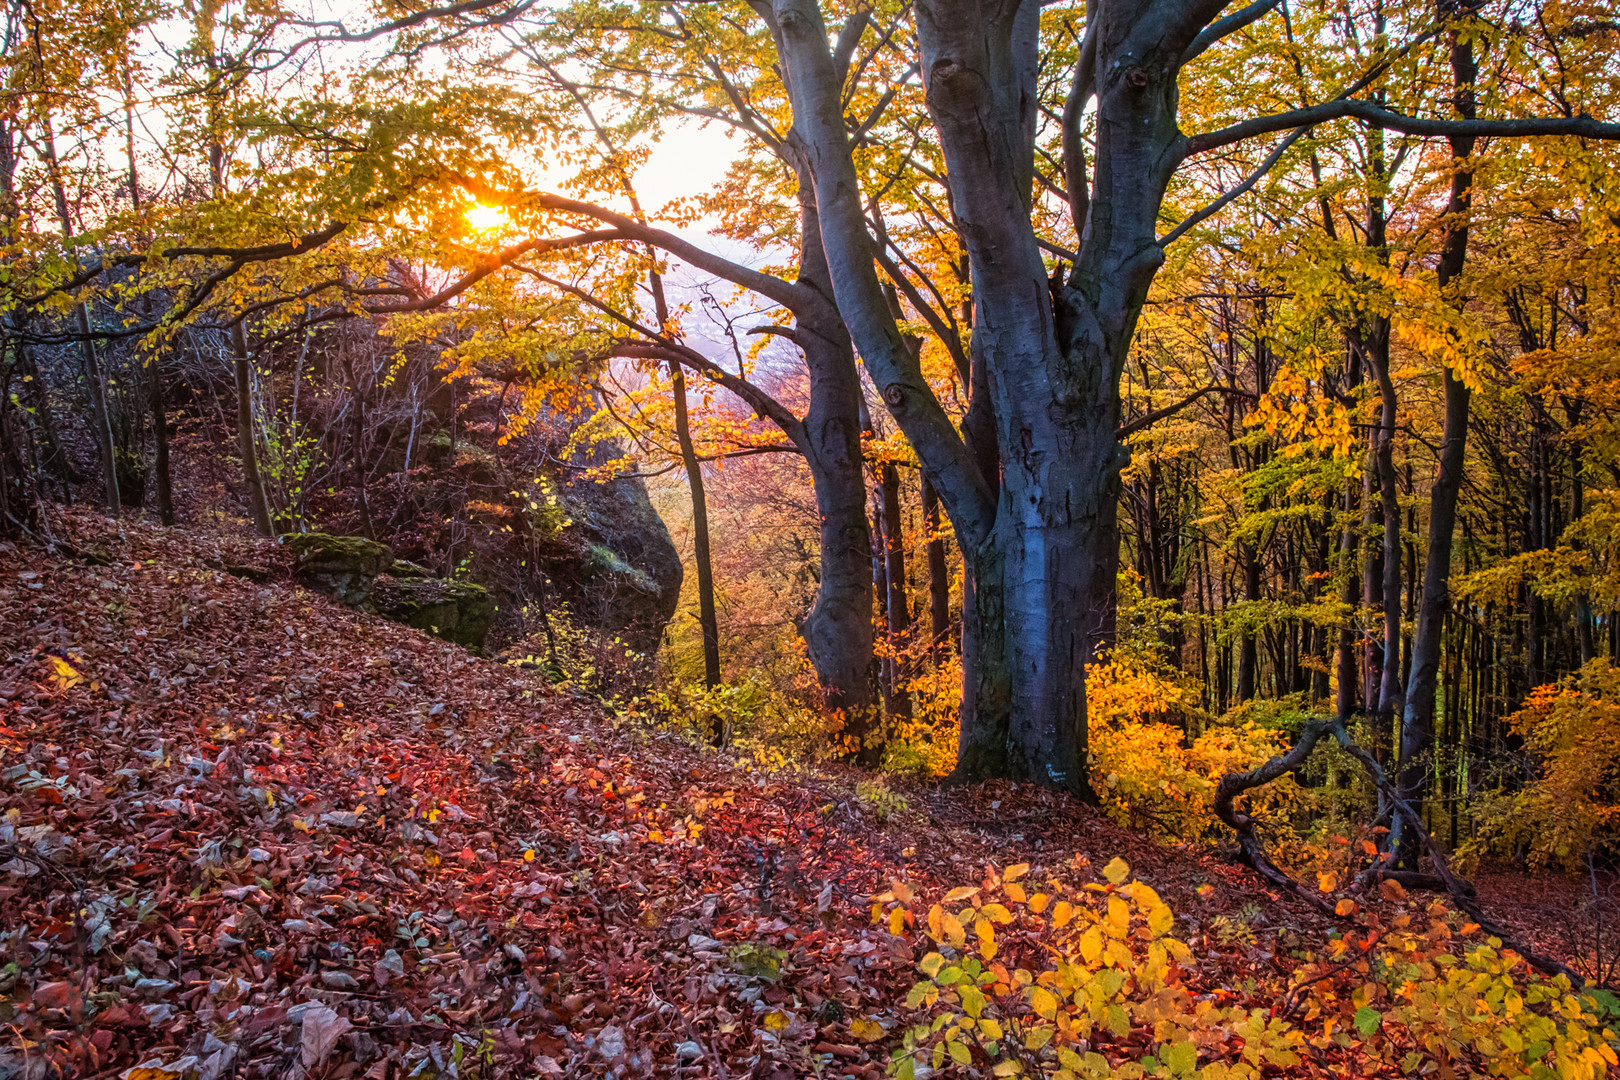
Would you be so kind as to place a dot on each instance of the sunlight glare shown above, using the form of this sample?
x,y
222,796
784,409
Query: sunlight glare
x,y
483,217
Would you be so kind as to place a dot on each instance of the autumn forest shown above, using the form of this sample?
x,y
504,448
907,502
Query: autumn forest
x,y
774,538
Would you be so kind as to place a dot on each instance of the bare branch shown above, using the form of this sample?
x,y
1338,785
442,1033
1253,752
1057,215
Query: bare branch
x,y
1231,24
1584,127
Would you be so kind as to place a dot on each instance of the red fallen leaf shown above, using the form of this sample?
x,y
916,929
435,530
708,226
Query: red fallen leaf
x,y
467,855
121,1016
55,995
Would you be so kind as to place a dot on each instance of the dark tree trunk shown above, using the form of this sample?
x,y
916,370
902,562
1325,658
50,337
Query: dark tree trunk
x,y
1417,721
160,432
246,441
708,621
838,632
939,580
897,603
1249,654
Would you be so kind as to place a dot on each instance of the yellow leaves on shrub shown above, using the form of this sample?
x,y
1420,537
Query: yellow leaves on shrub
x,y
1112,973
987,939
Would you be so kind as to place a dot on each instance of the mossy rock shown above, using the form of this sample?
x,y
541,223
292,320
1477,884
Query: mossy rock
x,y
342,567
404,568
457,611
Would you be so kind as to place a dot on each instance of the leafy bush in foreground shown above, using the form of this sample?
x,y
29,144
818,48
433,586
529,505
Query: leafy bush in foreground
x,y
1051,980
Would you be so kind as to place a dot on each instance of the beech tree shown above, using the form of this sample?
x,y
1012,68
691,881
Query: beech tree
x,y
1042,544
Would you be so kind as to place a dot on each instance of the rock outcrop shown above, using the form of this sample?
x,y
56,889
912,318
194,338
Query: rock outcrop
x,y
626,576
342,567
363,573
457,611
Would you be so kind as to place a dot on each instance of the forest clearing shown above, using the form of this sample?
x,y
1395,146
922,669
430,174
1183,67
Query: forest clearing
x,y
776,538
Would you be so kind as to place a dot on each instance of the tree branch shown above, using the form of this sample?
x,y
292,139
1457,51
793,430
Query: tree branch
x,y
1126,430
1578,126
1231,24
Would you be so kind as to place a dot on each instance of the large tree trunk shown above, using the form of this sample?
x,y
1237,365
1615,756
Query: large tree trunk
x,y
838,632
1041,553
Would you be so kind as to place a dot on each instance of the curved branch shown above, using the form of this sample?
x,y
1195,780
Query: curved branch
x,y
1583,127
1233,193
1230,25
791,296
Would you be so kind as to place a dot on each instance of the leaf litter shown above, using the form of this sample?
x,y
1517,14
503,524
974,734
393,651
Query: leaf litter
x,y
245,832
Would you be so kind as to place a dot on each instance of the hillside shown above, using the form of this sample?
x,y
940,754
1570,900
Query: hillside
x,y
309,842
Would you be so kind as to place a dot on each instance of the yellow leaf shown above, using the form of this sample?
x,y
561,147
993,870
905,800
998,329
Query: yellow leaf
x,y
1016,893
1062,913
1344,907
1091,945
936,923
865,1030
1160,920
1038,902
961,892
897,921
1015,871
1006,1068
987,939
1327,882
776,1020
1116,871
528,856
63,674
953,929
1043,1002
996,913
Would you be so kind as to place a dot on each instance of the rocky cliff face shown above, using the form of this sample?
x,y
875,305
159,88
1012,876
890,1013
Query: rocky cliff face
x,y
626,574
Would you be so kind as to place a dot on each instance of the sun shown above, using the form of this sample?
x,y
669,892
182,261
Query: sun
x,y
483,217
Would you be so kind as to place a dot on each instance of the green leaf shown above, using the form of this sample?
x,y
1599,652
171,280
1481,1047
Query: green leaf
x,y
1368,1020
1182,1057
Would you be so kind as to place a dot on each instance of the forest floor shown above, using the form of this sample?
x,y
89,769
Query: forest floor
x,y
304,841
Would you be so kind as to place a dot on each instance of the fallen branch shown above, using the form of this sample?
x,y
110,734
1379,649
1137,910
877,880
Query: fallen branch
x,y
1462,893
1253,852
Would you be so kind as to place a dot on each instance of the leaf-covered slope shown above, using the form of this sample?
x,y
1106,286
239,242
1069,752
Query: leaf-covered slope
x,y
308,841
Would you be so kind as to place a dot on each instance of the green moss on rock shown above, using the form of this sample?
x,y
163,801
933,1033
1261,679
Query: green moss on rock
x,y
457,611
342,567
